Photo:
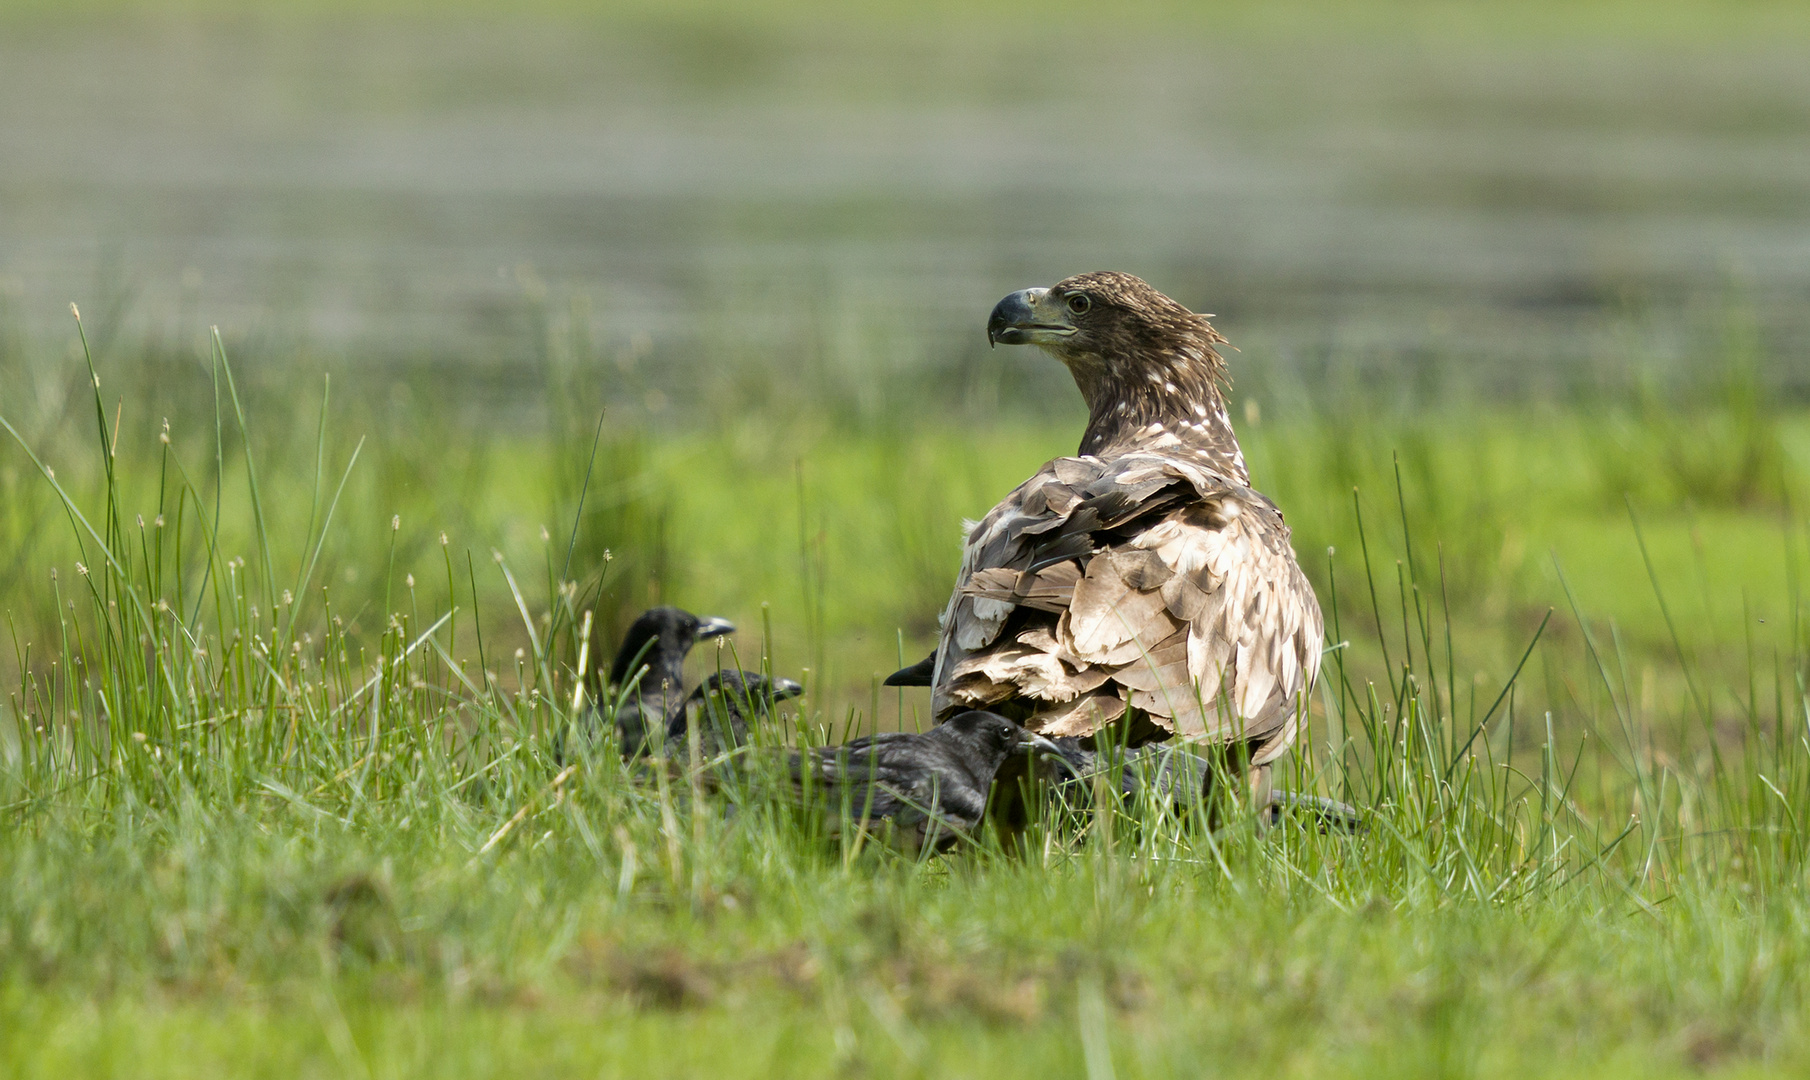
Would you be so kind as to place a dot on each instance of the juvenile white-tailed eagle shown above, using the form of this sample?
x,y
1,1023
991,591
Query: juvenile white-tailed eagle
x,y
1143,580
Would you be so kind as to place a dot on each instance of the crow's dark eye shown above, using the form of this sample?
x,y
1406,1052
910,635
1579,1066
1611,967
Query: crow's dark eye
x,y
1079,303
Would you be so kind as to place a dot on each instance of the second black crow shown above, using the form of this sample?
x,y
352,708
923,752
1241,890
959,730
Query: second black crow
x,y
721,709
931,788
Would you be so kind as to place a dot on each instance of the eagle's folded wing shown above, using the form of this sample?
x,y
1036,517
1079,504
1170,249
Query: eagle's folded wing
x,y
1145,581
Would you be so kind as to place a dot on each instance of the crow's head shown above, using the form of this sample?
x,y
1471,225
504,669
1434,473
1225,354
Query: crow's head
x,y
739,689
659,639
990,738
1146,365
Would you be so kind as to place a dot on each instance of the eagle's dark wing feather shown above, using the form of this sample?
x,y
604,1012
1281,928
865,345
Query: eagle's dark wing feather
x,y
1147,580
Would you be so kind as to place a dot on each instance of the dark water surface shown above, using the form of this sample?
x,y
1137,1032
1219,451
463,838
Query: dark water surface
x,y
1514,217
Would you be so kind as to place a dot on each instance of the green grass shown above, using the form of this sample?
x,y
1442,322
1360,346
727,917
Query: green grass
x,y
278,797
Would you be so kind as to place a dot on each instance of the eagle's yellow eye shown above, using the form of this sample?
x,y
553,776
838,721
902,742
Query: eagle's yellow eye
x,y
1079,303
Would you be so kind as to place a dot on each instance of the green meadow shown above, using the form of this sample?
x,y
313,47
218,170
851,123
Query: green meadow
x,y
279,794
293,625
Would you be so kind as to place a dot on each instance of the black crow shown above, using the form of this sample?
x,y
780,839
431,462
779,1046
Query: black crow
x,y
721,708
931,788
647,679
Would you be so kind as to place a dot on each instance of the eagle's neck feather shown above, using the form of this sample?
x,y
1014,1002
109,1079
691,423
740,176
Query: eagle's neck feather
x,y
1170,402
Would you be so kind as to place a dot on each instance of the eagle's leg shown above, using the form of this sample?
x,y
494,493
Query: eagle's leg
x,y
1258,786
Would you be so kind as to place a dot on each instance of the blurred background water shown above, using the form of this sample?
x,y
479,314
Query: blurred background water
x,y
1409,200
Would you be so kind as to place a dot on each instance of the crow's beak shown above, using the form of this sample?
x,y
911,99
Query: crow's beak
x,y
1042,745
711,626
785,688
1027,318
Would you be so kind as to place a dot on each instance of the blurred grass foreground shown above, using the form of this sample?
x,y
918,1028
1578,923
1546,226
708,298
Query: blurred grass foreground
x,y
295,607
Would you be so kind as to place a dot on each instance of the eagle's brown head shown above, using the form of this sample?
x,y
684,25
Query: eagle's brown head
x,y
1146,364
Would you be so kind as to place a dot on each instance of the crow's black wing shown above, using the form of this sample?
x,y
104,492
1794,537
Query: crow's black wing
x,y
903,777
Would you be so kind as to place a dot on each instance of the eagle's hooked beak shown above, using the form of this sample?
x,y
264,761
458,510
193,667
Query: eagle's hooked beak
x,y
711,626
1026,317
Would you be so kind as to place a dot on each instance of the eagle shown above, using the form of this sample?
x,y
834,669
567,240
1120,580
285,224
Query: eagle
x,y
1143,581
